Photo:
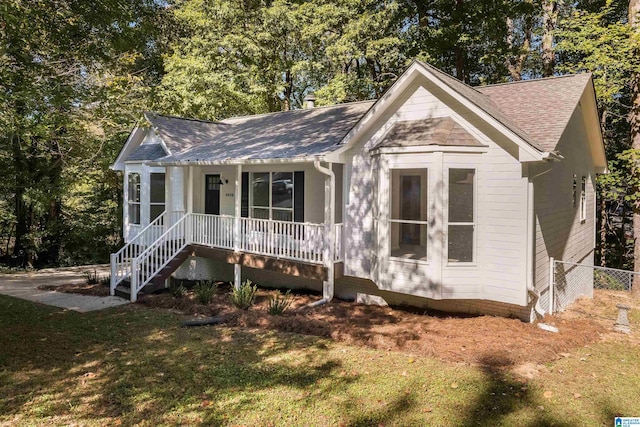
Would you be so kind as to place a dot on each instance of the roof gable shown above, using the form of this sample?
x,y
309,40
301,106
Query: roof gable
x,y
542,107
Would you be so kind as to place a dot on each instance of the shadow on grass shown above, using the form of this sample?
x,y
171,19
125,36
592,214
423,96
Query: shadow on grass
x,y
137,364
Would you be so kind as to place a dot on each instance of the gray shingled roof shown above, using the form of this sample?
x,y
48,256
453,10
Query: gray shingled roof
x,y
285,135
147,152
541,107
180,134
441,131
486,104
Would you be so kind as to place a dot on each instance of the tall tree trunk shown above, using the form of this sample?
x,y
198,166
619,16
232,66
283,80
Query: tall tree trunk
x,y
515,61
459,50
549,22
634,120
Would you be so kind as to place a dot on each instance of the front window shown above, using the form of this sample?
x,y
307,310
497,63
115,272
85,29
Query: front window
x,y
134,198
272,195
461,224
408,215
156,199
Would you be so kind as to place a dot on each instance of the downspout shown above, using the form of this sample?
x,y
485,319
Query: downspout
x,y
327,287
531,230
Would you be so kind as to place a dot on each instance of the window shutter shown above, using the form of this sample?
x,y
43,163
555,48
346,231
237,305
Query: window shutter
x,y
244,200
298,196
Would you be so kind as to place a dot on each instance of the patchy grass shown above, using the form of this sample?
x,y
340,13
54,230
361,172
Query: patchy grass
x,y
134,365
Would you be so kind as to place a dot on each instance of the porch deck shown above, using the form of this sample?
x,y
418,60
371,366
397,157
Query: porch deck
x,y
158,244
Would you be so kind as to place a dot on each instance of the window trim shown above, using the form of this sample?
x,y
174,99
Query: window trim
x,y
270,208
139,197
583,199
420,172
164,204
446,223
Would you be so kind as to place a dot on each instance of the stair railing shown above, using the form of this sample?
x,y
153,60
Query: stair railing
x,y
155,257
121,260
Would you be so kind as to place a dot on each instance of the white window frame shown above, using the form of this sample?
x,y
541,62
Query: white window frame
x,y
474,223
404,171
270,208
134,203
583,199
164,204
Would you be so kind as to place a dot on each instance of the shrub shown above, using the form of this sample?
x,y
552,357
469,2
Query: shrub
x,y
91,278
105,280
205,290
243,296
177,290
279,303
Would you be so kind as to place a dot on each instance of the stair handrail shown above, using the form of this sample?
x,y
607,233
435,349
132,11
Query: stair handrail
x,y
147,270
121,260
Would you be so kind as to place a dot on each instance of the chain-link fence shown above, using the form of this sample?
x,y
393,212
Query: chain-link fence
x,y
572,280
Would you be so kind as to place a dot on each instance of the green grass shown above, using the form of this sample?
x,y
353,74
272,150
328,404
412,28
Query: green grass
x,y
133,365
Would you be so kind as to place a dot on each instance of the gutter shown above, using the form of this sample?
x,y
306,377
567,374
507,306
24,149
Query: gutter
x,y
327,287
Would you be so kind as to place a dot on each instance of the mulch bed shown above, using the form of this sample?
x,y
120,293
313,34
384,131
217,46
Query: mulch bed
x,y
485,340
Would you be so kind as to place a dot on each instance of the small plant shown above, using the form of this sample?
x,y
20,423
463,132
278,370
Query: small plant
x,y
205,290
243,296
91,278
279,303
177,290
105,280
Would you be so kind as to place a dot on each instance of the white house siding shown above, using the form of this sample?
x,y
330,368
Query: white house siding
x,y
559,231
499,273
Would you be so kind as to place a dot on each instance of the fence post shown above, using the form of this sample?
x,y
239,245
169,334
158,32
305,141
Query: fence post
x,y
552,283
134,281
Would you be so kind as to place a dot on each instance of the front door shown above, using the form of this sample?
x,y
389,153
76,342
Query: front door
x,y
212,194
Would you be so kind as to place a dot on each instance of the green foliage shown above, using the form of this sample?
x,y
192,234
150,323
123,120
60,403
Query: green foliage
x,y
105,280
279,303
243,296
91,278
205,291
177,289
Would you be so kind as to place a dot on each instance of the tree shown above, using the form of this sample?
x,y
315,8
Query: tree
x,y
634,121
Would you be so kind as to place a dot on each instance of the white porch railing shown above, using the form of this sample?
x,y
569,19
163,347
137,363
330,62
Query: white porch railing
x,y
153,259
212,230
121,260
172,232
300,241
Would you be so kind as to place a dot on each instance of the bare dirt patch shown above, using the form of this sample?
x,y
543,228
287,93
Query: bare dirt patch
x,y
78,288
485,340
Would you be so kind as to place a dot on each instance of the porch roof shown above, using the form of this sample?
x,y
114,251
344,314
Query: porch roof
x,y
298,134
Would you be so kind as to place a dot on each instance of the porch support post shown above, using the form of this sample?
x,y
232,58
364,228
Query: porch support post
x,y
236,225
190,189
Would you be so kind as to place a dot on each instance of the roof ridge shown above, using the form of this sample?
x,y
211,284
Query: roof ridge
x,y
169,116
342,104
539,79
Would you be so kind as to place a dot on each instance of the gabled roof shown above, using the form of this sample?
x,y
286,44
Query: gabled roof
x,y
477,97
180,134
542,107
147,152
284,135
440,131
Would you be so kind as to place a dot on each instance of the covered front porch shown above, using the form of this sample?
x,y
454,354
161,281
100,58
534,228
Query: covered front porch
x,y
277,216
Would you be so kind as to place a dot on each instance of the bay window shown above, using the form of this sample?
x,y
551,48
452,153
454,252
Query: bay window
x,y
408,214
157,196
461,220
133,199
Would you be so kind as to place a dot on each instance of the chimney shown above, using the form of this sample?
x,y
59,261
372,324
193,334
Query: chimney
x,y
310,99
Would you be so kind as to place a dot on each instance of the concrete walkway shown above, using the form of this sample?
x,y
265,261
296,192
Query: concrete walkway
x,y
25,286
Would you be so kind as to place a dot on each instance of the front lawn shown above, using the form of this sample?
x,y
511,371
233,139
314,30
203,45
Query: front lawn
x,y
135,365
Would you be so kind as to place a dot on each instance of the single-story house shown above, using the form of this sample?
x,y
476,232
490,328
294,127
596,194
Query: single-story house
x,y
437,194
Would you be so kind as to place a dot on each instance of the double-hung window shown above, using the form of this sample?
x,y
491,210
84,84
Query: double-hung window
x,y
408,214
157,197
461,221
272,195
133,198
